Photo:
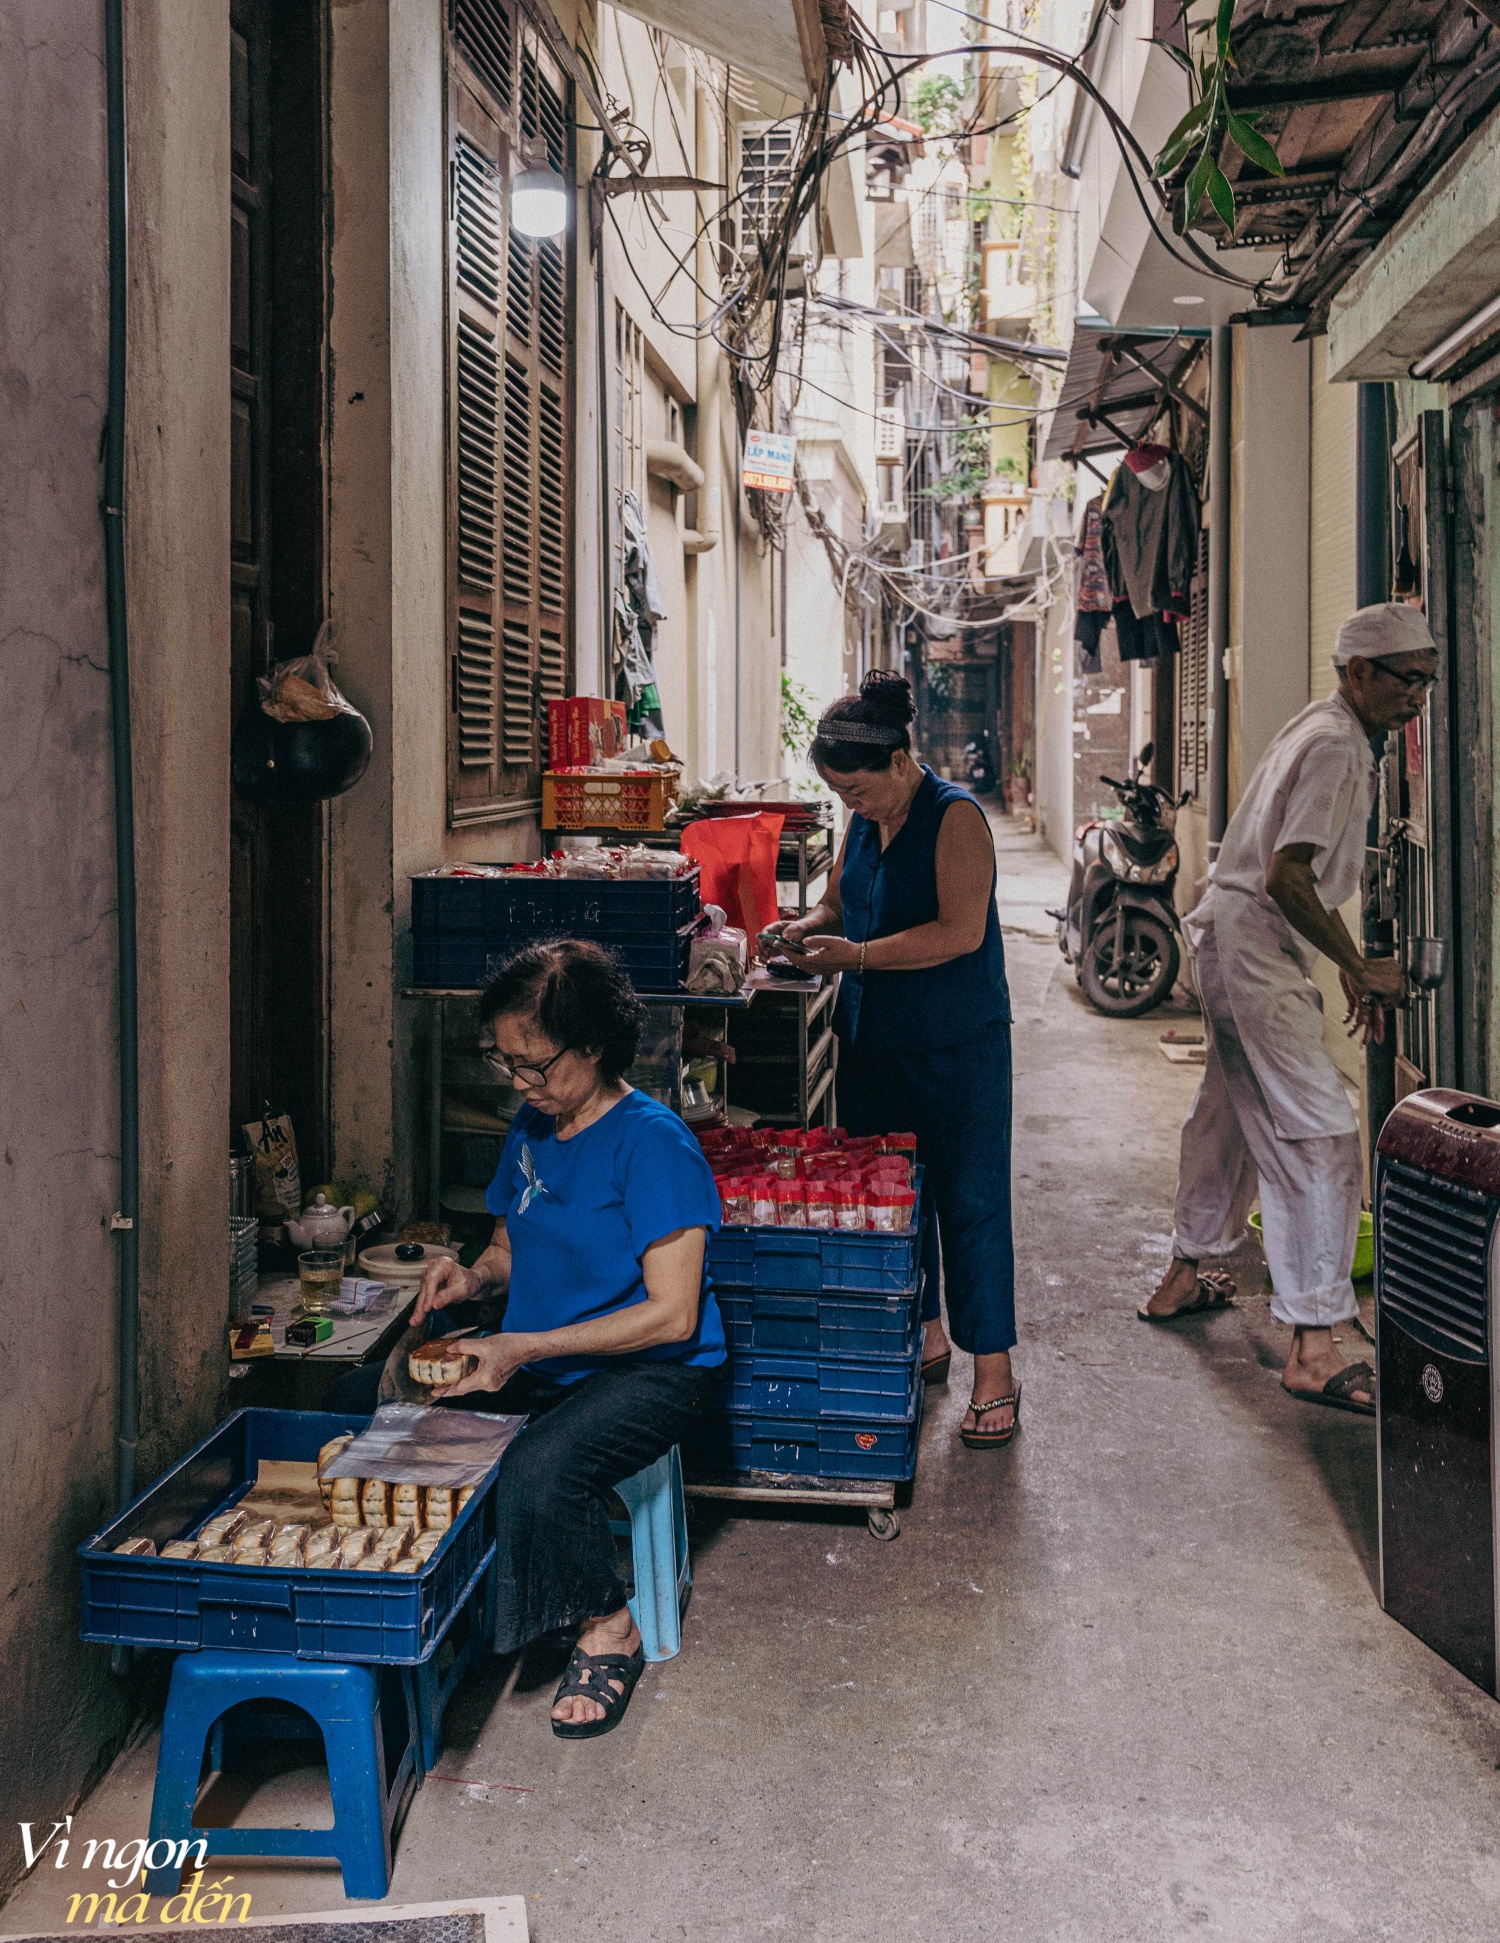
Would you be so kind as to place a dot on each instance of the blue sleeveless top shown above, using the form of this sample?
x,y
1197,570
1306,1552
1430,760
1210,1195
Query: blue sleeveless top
x,y
892,890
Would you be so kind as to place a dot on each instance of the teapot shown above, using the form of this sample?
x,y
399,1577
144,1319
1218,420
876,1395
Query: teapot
x,y
321,1226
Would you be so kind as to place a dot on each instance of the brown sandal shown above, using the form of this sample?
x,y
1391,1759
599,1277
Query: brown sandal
x,y
989,1440
1214,1291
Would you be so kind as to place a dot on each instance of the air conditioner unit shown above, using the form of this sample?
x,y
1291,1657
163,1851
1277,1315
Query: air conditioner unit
x,y
1437,1205
890,434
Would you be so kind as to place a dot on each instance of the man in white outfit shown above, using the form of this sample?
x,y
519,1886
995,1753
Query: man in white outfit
x,y
1270,1112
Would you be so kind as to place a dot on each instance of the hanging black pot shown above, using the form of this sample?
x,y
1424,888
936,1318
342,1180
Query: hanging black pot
x,y
298,762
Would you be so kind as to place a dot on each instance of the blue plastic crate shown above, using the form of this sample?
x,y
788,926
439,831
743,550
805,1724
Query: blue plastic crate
x,y
732,1442
510,909
183,1605
873,1387
768,1321
654,962
812,1261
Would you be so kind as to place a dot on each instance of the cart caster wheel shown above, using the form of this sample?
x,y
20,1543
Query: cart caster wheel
x,y
884,1524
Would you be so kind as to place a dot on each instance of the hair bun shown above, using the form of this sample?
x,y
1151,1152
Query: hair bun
x,y
885,698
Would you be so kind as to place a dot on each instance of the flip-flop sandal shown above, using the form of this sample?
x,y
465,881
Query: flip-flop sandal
x,y
589,1675
1214,1291
1337,1392
935,1370
989,1440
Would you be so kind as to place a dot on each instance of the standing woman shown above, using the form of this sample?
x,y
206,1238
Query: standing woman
x,y
923,1019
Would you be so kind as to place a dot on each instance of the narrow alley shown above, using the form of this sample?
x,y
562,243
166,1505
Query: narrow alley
x,y
1128,1679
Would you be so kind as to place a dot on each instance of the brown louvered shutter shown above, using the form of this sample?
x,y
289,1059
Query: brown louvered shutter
x,y
509,347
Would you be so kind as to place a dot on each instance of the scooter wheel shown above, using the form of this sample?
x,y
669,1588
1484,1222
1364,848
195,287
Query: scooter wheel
x,y
1146,973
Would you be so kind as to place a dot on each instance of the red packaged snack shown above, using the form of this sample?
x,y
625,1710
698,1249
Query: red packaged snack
x,y
763,1200
734,1200
822,1203
891,1209
849,1202
790,1198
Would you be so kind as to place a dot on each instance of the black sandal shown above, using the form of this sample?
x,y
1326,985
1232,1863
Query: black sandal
x,y
992,1440
1338,1392
588,1675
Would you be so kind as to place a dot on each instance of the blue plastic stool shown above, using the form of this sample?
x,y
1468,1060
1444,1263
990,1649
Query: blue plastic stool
x,y
659,1547
344,1701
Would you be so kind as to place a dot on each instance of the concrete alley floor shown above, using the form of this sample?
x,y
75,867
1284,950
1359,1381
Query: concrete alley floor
x,y
1127,1679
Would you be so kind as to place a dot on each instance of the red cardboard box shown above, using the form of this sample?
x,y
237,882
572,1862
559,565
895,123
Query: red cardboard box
x,y
584,729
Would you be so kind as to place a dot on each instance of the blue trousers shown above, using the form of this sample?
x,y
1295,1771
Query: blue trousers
x,y
956,1100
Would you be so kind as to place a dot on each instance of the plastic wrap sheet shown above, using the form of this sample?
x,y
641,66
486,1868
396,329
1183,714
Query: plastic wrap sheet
x,y
417,1443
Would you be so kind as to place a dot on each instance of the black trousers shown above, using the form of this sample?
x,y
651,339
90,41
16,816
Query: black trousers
x,y
557,1564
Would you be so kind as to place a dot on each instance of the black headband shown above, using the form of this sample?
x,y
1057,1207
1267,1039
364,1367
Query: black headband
x,y
840,729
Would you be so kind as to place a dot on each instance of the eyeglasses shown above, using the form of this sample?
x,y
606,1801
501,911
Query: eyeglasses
x,y
527,1075
1414,683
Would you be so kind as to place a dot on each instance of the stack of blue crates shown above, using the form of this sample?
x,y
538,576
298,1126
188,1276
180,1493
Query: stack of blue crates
x,y
825,1348
463,928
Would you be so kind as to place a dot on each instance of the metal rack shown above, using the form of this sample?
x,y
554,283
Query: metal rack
x,y
786,1054
805,856
444,1070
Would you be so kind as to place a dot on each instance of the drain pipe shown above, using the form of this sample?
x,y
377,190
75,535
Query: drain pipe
x,y
1221,373
1372,582
126,1220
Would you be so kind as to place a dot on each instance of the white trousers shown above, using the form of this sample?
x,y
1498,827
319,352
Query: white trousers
x,y
1310,1190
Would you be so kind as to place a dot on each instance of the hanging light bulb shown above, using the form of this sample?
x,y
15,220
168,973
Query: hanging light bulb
x,y
538,197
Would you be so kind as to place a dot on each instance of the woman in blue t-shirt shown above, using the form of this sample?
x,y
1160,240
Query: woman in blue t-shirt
x,y
611,1338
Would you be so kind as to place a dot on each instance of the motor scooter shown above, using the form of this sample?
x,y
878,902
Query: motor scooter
x,y
979,765
1120,930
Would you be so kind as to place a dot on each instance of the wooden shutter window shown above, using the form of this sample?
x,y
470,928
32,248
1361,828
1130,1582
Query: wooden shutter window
x,y
482,28
517,699
551,475
474,702
510,341
518,521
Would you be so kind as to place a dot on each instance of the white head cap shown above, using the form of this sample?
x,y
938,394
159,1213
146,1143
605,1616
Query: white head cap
x,y
1389,627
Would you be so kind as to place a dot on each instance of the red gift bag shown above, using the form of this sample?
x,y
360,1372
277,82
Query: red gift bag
x,y
737,856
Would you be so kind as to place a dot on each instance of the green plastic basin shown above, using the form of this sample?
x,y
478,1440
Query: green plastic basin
x,y
1364,1248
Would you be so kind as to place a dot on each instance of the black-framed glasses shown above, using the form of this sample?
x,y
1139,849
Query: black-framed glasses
x,y
1414,682
528,1075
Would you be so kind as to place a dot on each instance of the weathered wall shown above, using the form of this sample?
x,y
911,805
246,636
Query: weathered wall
x,y
1268,598
61,1714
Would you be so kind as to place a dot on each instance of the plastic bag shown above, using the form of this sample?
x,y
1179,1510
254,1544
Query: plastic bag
x,y
303,690
415,1443
719,962
278,1177
737,855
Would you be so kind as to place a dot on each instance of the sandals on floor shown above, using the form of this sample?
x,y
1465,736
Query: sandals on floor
x,y
935,1370
589,1675
1214,1291
1336,1393
989,1440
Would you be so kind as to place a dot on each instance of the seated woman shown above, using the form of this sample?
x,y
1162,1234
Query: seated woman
x,y
611,1338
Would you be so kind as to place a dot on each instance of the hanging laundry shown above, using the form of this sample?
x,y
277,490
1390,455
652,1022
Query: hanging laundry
x,y
1092,594
1150,523
1088,632
640,608
1145,637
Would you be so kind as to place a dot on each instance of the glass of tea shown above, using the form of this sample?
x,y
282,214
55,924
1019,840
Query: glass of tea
x,y
320,1271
